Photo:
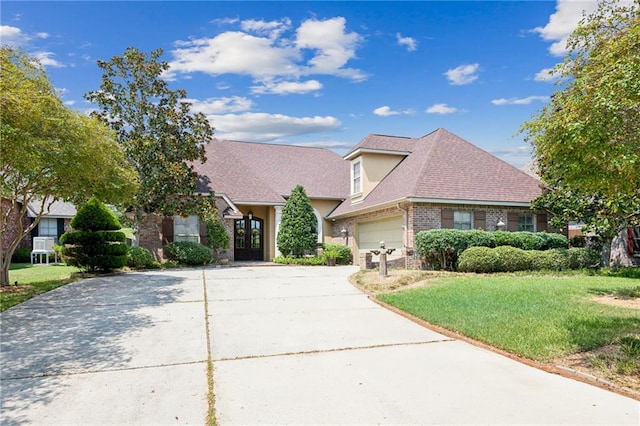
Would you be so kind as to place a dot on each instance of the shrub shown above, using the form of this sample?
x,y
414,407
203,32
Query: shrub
x,y
298,232
511,259
440,248
340,252
306,260
217,236
94,244
21,255
187,253
140,257
479,259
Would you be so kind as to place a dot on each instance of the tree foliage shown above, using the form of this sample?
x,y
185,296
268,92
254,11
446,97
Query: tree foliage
x,y
298,231
587,139
48,152
160,136
93,245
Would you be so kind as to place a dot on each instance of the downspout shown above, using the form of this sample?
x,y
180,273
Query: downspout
x,y
406,233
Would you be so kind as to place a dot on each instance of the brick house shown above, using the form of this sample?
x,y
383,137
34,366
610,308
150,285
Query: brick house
x,y
386,188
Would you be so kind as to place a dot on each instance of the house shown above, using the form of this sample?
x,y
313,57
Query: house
x,y
387,188
54,222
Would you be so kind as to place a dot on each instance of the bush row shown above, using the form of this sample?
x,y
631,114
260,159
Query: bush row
x,y
305,260
440,248
340,252
141,258
511,259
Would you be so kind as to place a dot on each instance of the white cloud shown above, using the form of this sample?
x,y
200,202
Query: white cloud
x,y
12,36
517,156
562,23
69,103
441,109
519,101
547,75
261,127
326,144
221,105
386,111
42,35
409,42
287,87
261,50
271,29
46,59
463,74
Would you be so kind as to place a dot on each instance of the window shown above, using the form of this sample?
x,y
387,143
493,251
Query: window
x,y
186,229
526,222
462,220
48,228
356,180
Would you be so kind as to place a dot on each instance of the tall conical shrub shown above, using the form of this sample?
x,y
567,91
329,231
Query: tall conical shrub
x,y
298,231
95,244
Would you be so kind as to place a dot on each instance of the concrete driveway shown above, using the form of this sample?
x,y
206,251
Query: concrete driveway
x,y
290,345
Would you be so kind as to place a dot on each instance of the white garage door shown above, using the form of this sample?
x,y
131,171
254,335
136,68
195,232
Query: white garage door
x,y
388,230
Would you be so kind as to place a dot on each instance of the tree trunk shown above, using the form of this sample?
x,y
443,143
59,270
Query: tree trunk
x,y
619,255
605,254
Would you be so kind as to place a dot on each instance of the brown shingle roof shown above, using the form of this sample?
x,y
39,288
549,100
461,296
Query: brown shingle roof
x,y
266,173
443,166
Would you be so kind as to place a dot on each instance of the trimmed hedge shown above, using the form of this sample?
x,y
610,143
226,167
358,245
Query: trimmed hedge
x,y
187,253
440,248
511,259
307,261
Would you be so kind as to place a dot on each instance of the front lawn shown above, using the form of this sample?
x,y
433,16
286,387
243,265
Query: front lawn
x,y
33,280
543,318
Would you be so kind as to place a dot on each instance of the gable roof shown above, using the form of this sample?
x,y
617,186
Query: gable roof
x,y
443,167
58,209
249,172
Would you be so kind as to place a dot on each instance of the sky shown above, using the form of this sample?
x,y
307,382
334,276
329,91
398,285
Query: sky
x,y
321,73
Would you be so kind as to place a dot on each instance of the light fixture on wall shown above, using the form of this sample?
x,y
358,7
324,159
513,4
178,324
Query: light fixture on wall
x,y
500,224
250,214
344,232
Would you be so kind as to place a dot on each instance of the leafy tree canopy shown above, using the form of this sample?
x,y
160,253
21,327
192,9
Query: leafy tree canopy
x,y
160,136
587,139
48,152
298,231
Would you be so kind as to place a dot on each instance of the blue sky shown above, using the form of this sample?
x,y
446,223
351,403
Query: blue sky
x,y
321,73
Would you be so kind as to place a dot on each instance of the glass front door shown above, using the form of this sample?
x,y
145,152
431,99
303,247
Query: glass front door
x,y
248,239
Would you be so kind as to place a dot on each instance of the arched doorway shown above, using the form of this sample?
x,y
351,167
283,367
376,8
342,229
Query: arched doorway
x,y
248,240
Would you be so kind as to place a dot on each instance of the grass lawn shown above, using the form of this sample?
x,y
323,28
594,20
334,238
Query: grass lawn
x,y
543,318
33,280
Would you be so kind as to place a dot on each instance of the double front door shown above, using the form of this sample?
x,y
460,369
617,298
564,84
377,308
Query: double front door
x,y
248,239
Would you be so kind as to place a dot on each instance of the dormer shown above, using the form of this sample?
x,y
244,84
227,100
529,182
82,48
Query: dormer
x,y
369,167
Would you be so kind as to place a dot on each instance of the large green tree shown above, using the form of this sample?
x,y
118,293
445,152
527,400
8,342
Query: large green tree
x,y
298,231
587,139
49,153
159,134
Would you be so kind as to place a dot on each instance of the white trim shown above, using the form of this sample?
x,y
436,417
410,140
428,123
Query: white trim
x,y
356,191
278,219
360,151
319,227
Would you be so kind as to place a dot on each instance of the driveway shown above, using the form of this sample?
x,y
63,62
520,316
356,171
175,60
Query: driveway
x,y
290,345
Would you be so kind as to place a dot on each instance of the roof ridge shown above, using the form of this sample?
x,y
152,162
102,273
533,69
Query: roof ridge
x,y
425,163
272,144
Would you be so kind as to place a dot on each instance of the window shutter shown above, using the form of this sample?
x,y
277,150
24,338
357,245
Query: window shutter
x,y
541,222
35,230
167,230
60,226
203,232
446,218
512,221
479,219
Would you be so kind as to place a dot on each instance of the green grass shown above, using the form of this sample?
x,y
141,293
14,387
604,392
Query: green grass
x,y
34,280
536,317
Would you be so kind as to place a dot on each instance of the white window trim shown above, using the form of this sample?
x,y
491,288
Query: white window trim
x,y
470,213
357,162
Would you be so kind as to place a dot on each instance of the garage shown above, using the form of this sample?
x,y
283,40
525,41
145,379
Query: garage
x,y
388,230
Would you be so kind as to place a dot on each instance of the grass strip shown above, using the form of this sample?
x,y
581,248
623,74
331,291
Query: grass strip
x,y
34,280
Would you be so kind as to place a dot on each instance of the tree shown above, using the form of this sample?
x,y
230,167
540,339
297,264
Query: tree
x,y
160,136
298,227
48,153
217,236
587,139
93,245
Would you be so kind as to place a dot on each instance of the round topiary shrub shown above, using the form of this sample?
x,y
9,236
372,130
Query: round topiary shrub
x,y
140,257
93,244
187,253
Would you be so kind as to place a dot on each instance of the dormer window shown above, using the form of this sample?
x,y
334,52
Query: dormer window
x,y
356,177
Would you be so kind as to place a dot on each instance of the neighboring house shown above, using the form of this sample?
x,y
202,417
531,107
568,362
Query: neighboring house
x,y
55,222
